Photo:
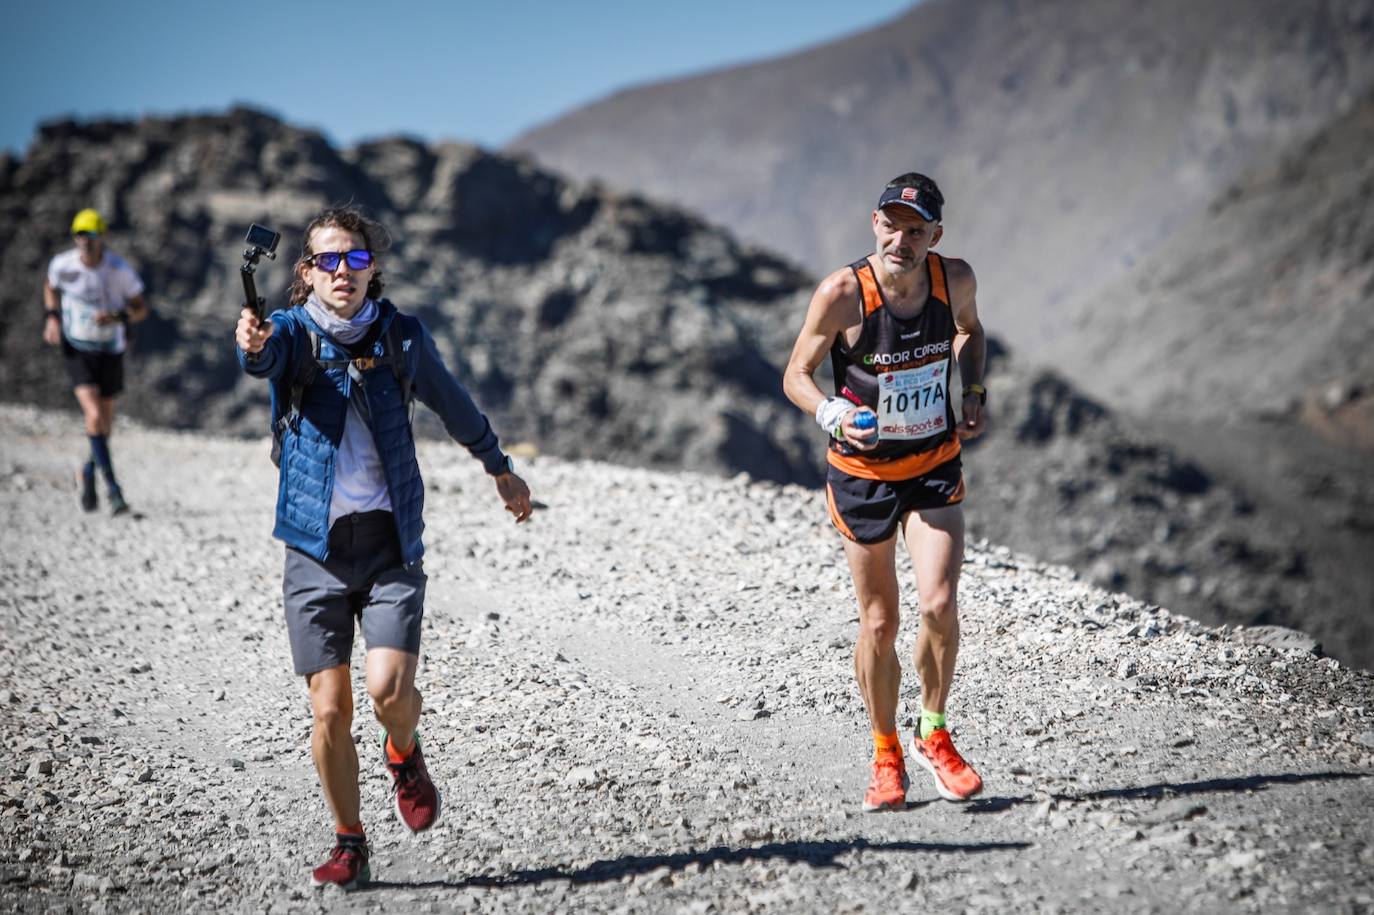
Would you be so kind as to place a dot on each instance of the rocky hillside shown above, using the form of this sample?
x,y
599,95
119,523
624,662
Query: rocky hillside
x,y
1119,501
628,715
1248,340
1070,136
587,322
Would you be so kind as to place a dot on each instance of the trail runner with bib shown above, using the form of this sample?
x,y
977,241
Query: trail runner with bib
x,y
89,296
892,325
343,364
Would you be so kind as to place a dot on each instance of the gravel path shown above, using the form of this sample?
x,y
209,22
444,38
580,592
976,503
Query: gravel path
x,y
642,701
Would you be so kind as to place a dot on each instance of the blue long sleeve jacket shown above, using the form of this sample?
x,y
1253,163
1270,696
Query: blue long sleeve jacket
x,y
310,446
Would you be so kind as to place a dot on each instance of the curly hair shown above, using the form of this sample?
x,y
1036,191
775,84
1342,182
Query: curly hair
x,y
350,219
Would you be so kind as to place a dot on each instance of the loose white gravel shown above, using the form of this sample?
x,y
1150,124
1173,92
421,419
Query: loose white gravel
x,y
641,701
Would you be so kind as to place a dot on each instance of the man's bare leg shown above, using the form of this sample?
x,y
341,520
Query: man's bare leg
x,y
877,668
395,700
89,399
331,742
397,704
107,412
935,538
875,654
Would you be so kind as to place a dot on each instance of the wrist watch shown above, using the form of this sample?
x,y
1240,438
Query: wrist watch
x,y
977,389
507,467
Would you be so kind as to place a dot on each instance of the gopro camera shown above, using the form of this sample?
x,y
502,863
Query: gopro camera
x,y
263,238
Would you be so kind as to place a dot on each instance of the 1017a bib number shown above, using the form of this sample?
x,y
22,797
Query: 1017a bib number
x,y
913,403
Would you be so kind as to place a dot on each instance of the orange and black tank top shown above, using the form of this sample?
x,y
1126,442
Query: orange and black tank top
x,y
900,368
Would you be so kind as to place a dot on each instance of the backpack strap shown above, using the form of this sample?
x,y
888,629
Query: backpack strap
x,y
396,354
310,366
305,376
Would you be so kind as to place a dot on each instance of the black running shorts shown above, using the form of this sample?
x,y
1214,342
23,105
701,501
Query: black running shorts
x,y
104,370
363,579
868,511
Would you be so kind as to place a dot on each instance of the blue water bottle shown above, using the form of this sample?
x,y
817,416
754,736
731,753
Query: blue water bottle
x,y
866,421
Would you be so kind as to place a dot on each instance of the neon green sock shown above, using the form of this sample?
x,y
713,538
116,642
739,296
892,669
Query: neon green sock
x,y
930,721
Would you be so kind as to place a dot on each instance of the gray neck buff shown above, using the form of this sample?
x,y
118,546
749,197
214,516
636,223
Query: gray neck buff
x,y
349,330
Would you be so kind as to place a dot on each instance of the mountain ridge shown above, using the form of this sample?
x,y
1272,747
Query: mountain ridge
x,y
1108,122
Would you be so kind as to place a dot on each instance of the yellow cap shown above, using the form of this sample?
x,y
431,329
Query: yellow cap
x,y
88,221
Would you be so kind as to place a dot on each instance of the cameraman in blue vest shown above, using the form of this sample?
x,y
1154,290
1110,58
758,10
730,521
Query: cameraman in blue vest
x,y
349,507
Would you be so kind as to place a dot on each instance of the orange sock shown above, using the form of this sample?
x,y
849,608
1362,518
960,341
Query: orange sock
x,y
355,830
886,743
396,755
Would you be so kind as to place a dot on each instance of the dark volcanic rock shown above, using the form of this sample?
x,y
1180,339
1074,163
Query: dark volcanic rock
x,y
586,322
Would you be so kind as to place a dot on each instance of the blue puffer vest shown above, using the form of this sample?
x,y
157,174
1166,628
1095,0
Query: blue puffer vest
x,y
310,446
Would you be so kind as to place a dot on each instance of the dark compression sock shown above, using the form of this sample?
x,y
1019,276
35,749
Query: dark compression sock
x,y
100,454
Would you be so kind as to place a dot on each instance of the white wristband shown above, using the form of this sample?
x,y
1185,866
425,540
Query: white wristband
x,y
831,413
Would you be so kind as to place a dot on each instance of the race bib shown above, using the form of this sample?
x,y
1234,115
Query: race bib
x,y
81,325
913,404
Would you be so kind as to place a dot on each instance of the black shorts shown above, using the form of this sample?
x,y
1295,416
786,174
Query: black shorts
x,y
104,370
868,511
363,580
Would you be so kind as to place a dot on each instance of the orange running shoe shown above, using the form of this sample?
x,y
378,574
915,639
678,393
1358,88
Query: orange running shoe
x,y
887,790
954,778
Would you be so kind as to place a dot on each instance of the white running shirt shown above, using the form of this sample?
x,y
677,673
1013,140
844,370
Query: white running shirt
x,y
87,290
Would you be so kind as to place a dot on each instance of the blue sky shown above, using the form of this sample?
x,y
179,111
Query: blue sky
x,y
472,71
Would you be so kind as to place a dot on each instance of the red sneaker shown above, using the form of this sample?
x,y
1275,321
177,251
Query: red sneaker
x,y
954,778
417,799
347,864
887,789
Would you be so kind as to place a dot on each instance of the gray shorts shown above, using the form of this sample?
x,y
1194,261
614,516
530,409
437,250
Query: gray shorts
x,y
362,579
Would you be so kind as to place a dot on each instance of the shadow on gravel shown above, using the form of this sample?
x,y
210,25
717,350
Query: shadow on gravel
x,y
817,854
1162,790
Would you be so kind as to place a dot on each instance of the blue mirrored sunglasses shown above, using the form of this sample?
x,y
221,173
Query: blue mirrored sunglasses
x,y
328,261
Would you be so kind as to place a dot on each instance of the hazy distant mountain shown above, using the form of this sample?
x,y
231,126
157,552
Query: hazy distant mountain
x,y
1262,306
1070,136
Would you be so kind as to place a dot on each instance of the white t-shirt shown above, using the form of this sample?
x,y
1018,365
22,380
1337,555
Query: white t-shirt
x,y
359,480
87,290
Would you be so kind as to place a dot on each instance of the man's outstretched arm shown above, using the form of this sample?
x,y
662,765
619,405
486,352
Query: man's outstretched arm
x,y
445,395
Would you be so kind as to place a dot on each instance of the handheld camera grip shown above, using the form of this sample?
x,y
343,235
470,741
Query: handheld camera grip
x,y
261,240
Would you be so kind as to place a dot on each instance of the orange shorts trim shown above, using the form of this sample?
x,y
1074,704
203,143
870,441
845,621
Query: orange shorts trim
x,y
835,517
869,511
902,468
